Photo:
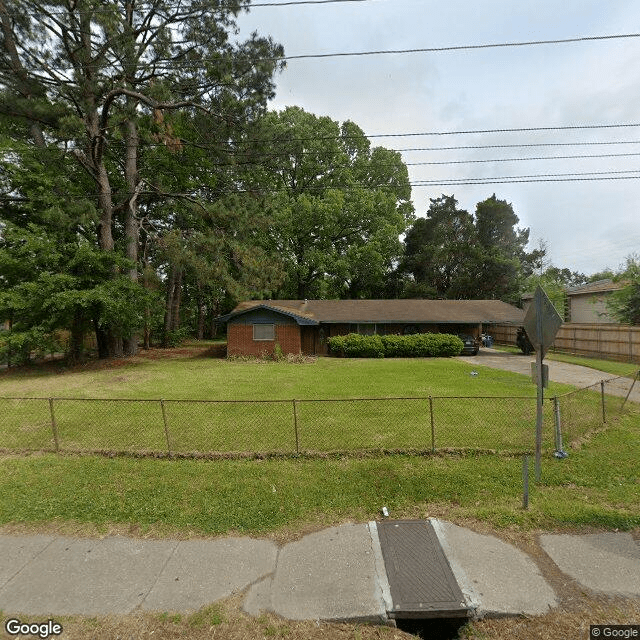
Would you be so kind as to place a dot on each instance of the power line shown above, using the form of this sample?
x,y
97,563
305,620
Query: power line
x,y
281,141
462,183
298,2
485,160
406,164
457,132
465,47
536,177
571,127
104,10
516,146
343,54
532,178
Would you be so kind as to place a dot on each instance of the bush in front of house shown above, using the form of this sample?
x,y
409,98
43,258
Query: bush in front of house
x,y
418,345
353,345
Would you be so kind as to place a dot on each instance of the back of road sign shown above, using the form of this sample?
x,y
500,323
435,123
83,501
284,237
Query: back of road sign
x,y
541,322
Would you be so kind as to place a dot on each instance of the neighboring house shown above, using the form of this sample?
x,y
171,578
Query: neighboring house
x,y
585,304
588,303
303,326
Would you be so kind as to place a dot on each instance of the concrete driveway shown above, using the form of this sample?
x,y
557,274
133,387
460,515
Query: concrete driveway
x,y
563,372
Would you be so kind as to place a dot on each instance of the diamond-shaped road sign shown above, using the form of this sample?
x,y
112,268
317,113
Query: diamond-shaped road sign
x,y
541,322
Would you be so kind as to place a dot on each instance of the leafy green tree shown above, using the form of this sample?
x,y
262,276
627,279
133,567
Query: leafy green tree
x,y
440,252
337,206
53,277
624,304
98,82
555,281
504,261
213,254
453,254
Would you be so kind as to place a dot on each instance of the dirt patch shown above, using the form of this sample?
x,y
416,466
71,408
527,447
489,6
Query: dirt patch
x,y
225,620
61,366
565,622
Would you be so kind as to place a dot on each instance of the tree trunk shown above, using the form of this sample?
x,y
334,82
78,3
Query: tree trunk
x,y
76,347
131,224
168,310
101,339
115,344
147,311
202,313
177,298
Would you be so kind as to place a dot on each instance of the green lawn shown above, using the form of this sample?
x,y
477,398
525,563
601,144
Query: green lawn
x,y
213,405
596,485
201,378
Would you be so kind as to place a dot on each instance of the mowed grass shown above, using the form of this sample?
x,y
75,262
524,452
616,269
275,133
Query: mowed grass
x,y
194,377
597,485
214,405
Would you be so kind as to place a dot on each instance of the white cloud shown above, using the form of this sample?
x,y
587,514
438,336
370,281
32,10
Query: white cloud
x,y
588,225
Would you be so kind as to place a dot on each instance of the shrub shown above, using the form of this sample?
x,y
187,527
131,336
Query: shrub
x,y
353,345
176,337
278,354
18,347
419,345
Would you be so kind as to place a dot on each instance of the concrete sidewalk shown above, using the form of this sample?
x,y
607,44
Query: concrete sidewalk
x,y
334,574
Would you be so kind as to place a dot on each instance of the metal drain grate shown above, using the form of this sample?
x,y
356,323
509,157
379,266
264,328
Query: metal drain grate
x,y
420,579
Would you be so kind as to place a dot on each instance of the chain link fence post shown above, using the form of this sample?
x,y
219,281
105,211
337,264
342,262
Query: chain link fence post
x,y
166,426
54,426
559,452
295,424
525,482
635,378
433,426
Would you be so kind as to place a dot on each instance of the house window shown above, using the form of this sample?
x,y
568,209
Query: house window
x,y
367,329
264,331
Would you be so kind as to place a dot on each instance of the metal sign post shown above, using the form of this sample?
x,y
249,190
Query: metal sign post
x,y
541,323
539,414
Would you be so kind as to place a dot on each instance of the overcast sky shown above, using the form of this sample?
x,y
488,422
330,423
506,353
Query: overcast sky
x,y
587,225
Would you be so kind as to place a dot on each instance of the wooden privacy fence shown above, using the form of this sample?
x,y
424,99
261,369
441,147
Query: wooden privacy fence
x,y
609,341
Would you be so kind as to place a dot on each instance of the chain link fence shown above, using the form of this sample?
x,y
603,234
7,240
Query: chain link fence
x,y
580,413
284,427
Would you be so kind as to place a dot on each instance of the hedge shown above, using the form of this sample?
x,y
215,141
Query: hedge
x,y
354,345
418,345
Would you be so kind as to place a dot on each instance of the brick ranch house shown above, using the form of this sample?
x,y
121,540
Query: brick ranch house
x,y
255,327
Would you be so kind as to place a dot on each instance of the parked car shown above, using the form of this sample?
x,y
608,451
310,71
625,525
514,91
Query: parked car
x,y
471,344
523,342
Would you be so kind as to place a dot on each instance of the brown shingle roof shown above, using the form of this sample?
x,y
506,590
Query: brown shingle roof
x,y
599,286
390,311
